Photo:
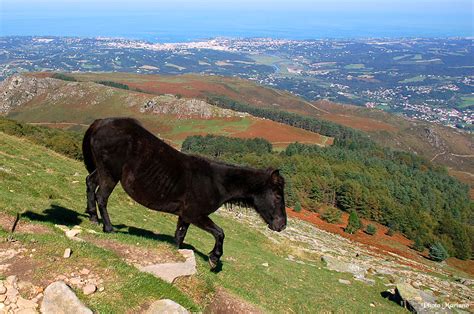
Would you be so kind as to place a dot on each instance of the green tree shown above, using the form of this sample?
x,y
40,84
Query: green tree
x,y
331,215
437,252
353,224
418,245
371,229
297,207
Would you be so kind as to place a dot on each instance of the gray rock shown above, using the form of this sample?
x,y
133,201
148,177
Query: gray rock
x,y
166,306
170,271
67,253
60,299
416,300
344,281
333,263
89,289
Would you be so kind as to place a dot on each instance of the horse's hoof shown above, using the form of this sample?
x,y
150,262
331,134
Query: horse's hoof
x,y
213,262
108,230
94,220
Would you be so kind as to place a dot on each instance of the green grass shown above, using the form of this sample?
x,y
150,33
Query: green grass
x,y
354,66
419,78
42,185
220,127
467,101
401,57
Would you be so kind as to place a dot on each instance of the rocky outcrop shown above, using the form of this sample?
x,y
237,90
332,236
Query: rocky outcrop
x,y
18,90
60,299
416,300
183,107
170,271
165,306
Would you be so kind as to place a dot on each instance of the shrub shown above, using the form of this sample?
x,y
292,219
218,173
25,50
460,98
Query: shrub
x,y
331,215
297,207
418,245
354,223
390,232
437,252
371,229
64,77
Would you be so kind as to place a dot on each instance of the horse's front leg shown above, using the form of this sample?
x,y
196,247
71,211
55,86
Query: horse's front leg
x,y
208,225
181,229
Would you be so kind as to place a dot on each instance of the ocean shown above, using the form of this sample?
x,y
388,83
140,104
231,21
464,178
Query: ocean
x,y
179,26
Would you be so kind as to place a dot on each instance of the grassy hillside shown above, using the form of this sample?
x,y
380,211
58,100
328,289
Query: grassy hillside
x,y
74,105
47,188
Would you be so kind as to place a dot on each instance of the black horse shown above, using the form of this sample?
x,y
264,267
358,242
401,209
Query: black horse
x,y
161,178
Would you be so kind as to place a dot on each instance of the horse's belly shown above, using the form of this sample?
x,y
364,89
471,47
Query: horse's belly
x,y
162,196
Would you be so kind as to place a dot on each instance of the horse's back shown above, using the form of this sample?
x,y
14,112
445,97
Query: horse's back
x,y
150,170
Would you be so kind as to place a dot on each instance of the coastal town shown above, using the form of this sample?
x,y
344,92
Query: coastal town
x,y
425,79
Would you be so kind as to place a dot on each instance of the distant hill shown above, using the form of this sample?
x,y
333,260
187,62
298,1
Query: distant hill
x,y
68,104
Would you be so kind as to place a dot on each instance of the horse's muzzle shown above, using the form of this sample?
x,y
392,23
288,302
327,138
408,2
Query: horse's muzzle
x,y
278,225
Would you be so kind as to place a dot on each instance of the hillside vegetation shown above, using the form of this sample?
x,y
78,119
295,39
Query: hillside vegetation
x,y
441,144
47,188
64,103
398,189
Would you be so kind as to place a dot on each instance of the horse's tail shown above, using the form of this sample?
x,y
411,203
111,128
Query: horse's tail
x,y
87,149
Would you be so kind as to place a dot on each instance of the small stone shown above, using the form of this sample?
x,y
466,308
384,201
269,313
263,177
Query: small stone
x,y
67,253
12,280
372,305
75,281
265,264
101,289
59,298
3,290
344,281
72,233
166,306
2,298
89,289
24,303
85,271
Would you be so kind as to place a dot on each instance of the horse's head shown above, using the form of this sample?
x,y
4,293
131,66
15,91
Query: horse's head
x,y
270,201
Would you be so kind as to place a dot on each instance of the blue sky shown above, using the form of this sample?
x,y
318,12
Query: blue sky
x,y
295,18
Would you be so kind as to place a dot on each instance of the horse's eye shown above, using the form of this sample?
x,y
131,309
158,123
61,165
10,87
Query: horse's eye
x,y
278,197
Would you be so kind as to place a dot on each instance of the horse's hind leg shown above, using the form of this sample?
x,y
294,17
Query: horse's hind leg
x,y
106,186
208,225
92,181
181,229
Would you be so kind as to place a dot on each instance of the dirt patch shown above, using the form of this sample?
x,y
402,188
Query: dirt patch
x,y
6,222
360,123
465,266
226,303
135,255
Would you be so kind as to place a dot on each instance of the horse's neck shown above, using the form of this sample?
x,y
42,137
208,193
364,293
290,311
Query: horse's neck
x,y
238,183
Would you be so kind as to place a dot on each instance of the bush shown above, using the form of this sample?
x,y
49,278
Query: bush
x,y
371,229
390,232
64,77
331,215
437,252
297,207
354,223
418,245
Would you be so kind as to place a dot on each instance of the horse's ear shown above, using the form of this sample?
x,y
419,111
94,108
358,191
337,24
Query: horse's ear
x,y
275,176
